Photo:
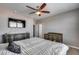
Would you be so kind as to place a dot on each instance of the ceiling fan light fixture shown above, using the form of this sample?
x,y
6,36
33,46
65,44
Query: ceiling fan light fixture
x,y
38,13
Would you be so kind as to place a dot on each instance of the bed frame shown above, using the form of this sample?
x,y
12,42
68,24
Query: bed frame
x,y
15,37
58,37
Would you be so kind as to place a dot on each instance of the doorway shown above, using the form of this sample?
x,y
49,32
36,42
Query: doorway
x,y
33,30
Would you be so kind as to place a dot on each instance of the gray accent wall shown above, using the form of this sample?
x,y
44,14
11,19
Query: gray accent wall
x,y
5,14
66,23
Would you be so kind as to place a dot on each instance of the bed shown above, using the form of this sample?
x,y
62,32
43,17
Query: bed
x,y
36,46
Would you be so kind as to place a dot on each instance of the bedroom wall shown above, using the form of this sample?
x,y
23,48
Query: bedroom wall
x,y
5,14
66,23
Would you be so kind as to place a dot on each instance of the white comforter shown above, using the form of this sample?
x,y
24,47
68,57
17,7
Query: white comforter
x,y
36,46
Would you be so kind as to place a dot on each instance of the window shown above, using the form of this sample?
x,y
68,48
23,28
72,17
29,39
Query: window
x,y
13,23
19,24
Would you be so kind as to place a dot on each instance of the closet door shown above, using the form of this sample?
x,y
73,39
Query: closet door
x,y
40,30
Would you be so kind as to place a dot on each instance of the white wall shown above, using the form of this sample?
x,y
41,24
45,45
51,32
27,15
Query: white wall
x,y
5,14
66,23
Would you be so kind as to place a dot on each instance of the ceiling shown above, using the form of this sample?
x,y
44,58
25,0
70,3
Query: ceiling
x,y
54,8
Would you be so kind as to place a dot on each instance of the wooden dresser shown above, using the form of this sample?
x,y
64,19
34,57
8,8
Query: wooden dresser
x,y
58,37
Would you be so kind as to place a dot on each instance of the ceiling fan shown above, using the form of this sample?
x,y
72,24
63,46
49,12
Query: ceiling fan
x,y
39,10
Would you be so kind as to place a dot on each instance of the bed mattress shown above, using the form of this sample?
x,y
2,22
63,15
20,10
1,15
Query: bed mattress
x,y
36,46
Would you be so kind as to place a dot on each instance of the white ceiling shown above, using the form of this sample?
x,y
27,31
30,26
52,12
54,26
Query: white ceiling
x,y
54,8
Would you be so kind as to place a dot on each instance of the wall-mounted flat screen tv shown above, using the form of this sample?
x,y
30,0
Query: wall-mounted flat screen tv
x,y
16,23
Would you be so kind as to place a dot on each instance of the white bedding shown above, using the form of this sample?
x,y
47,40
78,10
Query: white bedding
x,y
36,46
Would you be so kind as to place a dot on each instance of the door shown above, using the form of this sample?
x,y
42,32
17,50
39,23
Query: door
x,y
33,30
40,30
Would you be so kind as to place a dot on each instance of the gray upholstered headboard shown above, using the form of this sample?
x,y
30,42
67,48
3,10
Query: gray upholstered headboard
x,y
58,37
15,37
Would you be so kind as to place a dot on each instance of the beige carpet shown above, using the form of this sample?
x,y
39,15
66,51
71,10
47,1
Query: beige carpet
x,y
73,51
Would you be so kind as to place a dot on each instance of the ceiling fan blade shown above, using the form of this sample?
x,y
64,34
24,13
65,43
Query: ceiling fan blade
x,y
45,11
32,13
31,7
42,6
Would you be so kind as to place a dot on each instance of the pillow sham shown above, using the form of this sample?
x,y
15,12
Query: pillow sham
x,y
14,48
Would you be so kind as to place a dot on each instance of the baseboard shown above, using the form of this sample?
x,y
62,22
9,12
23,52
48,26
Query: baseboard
x,y
73,46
